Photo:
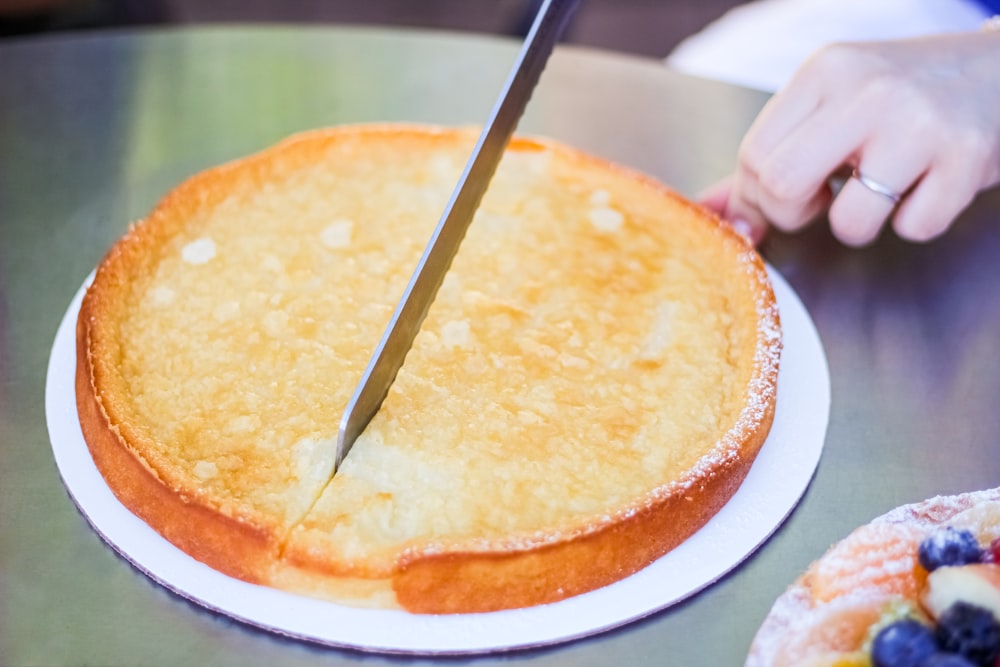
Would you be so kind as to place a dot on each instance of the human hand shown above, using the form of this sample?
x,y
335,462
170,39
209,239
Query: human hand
x,y
919,119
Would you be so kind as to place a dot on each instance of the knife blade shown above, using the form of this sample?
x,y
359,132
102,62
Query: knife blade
x,y
549,24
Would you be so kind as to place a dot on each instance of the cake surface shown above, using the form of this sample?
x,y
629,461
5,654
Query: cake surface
x,y
590,386
829,616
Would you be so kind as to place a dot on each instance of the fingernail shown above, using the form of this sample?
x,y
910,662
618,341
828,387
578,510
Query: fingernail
x,y
743,228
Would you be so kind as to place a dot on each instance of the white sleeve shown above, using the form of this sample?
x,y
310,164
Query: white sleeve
x,y
761,43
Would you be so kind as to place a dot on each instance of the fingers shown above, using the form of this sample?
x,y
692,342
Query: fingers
x,y
938,199
716,199
787,184
786,110
787,157
783,176
859,211
792,179
897,112
716,196
889,166
922,186
956,174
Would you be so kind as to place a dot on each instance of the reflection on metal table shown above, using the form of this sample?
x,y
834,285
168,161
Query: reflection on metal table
x,y
94,128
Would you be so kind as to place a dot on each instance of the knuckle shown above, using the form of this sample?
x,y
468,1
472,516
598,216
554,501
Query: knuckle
x,y
750,156
777,180
840,60
892,89
972,154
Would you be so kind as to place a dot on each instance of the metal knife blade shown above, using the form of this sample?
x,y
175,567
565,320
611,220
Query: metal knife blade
x,y
549,23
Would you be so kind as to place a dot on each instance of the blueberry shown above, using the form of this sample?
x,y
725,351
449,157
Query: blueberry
x,y
949,546
947,660
971,631
904,643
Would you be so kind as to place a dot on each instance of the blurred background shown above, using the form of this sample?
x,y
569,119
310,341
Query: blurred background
x,y
642,27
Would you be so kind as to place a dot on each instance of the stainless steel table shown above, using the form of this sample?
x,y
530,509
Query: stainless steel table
x,y
95,128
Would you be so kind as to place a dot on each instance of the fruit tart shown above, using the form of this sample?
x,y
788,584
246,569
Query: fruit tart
x,y
917,587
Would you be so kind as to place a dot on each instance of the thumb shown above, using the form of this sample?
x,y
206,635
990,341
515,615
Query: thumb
x,y
716,198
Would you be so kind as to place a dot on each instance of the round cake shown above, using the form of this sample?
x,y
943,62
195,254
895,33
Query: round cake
x,y
901,575
591,384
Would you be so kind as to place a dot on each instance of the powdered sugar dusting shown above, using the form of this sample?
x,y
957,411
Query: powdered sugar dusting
x,y
763,386
761,390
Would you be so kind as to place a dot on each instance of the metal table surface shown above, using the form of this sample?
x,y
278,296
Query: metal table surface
x,y
95,127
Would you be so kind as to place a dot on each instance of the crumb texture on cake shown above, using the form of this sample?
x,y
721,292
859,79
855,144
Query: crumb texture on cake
x,y
591,384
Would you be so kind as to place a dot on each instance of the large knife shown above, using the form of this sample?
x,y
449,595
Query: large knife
x,y
549,23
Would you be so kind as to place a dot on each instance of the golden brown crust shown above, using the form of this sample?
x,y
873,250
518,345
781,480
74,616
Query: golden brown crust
x,y
473,582
250,543
228,545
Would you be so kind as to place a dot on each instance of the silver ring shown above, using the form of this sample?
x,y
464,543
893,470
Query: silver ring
x,y
876,187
